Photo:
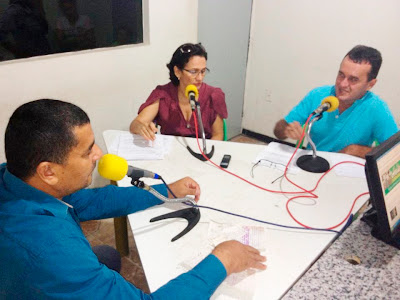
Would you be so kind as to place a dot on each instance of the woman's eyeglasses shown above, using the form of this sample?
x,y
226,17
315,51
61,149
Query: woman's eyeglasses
x,y
195,73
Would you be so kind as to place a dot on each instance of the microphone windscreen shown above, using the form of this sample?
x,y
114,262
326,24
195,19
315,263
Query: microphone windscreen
x,y
191,88
112,167
333,102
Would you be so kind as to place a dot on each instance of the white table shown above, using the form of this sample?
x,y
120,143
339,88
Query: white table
x,y
289,252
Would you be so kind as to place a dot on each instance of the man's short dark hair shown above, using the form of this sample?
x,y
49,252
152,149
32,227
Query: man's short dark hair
x,y
364,54
41,130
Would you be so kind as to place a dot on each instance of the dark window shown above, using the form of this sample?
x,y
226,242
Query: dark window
x,y
40,27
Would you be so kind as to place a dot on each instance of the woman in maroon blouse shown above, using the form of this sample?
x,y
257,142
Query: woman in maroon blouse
x,y
168,107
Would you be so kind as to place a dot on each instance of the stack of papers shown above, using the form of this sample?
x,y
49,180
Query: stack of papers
x,y
135,147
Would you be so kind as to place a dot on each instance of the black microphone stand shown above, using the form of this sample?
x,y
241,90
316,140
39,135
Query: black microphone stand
x,y
192,214
313,163
196,107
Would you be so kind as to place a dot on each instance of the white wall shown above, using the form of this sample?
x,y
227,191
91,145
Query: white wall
x,y
108,84
298,45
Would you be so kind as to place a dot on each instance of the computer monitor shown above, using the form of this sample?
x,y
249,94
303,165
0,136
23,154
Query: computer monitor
x,y
382,170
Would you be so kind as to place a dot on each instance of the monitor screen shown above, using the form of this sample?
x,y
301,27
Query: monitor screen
x,y
383,176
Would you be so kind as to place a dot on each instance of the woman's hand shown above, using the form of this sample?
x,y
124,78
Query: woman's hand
x,y
143,124
148,131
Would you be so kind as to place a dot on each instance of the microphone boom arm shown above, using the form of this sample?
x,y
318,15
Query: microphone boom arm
x,y
314,149
192,214
313,163
203,136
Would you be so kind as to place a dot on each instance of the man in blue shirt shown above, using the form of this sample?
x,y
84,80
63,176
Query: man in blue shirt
x,y
51,154
362,117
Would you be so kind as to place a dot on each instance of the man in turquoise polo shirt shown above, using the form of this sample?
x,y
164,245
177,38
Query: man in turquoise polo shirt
x,y
361,118
51,155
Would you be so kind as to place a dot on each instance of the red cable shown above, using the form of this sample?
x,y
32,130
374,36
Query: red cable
x,y
315,197
310,192
237,176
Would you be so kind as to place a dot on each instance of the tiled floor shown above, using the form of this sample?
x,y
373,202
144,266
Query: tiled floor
x,y
102,233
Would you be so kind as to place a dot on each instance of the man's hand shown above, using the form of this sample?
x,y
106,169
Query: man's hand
x,y
237,257
183,187
294,130
356,150
285,130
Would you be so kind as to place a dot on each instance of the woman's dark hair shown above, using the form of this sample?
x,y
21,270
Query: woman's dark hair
x,y
181,57
41,130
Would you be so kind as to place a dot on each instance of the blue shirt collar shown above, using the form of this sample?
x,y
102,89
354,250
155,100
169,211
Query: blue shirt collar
x,y
21,190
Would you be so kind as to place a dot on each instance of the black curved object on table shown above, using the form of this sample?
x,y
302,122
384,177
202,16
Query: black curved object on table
x,y
192,215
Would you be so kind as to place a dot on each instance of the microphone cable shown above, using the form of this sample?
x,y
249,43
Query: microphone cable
x,y
262,221
249,218
172,193
304,191
349,217
243,216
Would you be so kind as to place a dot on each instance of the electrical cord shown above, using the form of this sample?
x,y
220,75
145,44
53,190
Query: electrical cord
x,y
261,221
242,216
310,194
271,223
172,193
303,190
246,217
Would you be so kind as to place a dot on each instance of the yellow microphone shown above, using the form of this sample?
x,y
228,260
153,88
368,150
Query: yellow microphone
x,y
332,101
191,90
192,93
114,167
329,104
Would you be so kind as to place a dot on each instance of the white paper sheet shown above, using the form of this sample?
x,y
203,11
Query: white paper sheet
x,y
238,285
347,169
135,147
277,155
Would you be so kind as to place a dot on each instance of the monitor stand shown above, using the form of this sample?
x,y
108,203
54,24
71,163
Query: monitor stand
x,y
371,218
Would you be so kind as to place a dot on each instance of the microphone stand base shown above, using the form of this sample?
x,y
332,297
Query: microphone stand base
x,y
192,215
313,164
199,155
